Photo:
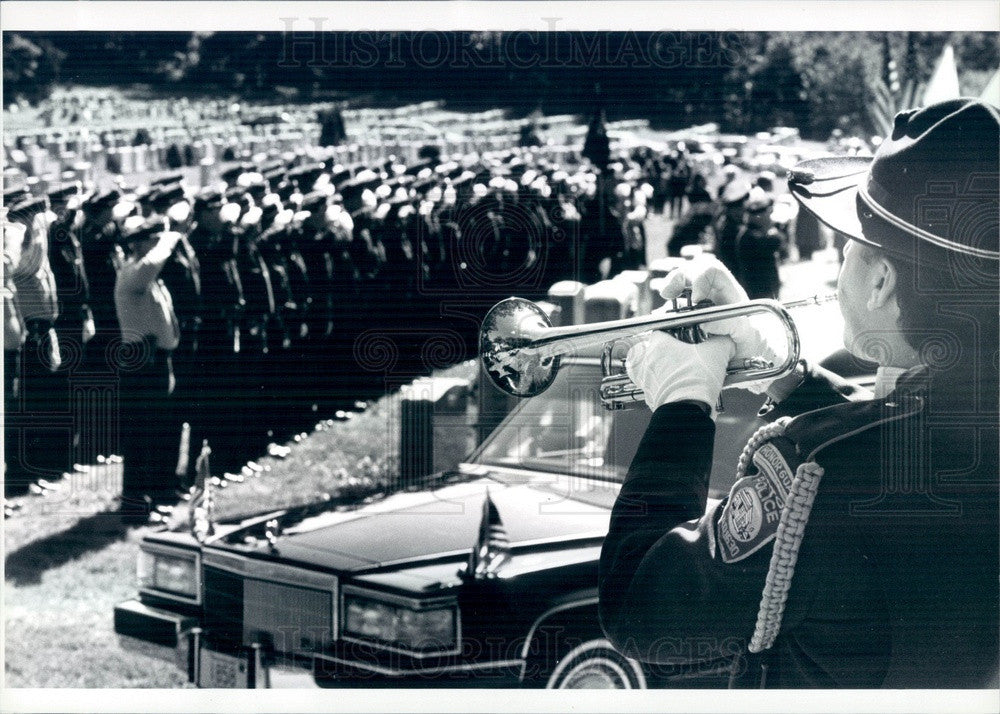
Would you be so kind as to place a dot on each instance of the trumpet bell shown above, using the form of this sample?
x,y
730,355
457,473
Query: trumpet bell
x,y
506,348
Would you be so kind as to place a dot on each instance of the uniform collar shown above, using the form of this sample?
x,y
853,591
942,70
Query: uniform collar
x,y
886,378
911,381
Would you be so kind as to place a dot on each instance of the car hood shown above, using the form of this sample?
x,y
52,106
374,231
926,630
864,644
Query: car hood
x,y
417,526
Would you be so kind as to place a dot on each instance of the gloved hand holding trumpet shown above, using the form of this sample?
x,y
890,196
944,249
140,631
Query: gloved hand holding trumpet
x,y
521,350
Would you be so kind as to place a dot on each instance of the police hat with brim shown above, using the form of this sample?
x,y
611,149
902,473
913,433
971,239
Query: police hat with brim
x,y
341,178
208,199
59,198
306,176
149,228
351,192
314,201
102,200
231,174
929,194
14,195
161,200
736,191
167,179
24,211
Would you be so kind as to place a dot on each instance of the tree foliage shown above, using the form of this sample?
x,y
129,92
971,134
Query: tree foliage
x,y
816,81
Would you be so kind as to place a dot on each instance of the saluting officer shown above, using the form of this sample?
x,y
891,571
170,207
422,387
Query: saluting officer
x,y
259,319
15,479
75,320
150,332
216,377
99,234
181,275
46,446
858,546
75,324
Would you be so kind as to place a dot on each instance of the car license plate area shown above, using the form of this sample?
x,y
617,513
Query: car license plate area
x,y
222,671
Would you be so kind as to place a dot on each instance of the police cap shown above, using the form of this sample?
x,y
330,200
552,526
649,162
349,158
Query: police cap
x,y
149,228
167,179
25,210
208,199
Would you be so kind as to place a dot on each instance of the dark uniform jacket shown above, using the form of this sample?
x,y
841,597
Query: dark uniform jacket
x,y
182,276
221,288
97,242
894,583
72,288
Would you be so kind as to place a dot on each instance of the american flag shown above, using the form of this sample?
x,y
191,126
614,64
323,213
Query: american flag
x,y
492,548
202,505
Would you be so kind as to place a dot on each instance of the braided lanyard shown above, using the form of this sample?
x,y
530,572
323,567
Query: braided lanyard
x,y
788,538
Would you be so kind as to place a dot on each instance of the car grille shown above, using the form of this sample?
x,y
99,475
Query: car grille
x,y
286,617
241,610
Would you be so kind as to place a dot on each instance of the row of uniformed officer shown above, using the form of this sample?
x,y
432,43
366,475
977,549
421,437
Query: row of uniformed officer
x,y
278,275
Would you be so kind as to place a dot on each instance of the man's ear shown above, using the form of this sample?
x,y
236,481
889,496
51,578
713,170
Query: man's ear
x,y
882,287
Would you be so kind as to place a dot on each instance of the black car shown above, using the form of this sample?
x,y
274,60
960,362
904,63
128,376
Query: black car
x,y
484,577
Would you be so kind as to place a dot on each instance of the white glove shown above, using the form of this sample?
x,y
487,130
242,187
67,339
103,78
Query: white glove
x,y
668,370
179,212
708,279
230,212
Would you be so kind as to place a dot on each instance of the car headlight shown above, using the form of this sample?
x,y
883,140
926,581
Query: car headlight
x,y
423,630
175,573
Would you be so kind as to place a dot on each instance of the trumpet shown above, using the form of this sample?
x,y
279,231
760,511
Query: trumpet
x,y
521,350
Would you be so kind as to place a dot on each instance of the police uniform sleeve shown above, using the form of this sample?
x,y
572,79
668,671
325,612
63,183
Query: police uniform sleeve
x,y
667,594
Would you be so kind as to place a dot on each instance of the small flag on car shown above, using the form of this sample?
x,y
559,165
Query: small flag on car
x,y
202,505
492,548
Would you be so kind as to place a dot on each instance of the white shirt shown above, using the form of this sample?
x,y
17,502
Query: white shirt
x,y
142,300
886,378
36,284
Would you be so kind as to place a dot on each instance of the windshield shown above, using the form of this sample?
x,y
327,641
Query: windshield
x,y
566,430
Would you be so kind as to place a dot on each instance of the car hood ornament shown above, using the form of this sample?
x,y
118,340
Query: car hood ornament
x,y
492,547
272,531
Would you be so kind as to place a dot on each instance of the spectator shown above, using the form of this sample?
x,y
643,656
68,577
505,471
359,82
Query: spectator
x,y
698,191
757,248
729,223
680,175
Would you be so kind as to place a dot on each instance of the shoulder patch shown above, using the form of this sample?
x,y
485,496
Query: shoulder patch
x,y
750,517
818,429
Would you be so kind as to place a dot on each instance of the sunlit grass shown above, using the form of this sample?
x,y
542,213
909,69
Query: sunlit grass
x,y
69,560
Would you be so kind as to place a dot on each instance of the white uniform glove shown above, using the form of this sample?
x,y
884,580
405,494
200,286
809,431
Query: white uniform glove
x,y
668,370
708,279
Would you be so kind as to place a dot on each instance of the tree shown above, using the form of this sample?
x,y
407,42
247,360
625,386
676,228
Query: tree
x,y
30,69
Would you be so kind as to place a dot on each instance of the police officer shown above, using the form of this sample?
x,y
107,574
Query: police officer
x,y
75,324
259,321
99,234
15,480
150,332
215,373
858,546
46,445
181,275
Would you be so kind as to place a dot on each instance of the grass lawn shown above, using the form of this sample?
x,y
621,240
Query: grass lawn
x,y
68,561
